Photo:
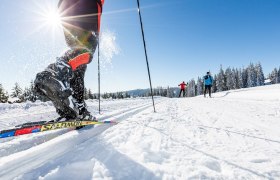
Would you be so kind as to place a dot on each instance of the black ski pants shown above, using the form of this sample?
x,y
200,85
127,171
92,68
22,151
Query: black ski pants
x,y
207,87
184,91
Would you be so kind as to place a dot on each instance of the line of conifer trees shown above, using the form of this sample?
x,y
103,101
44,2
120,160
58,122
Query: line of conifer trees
x,y
228,79
233,78
27,94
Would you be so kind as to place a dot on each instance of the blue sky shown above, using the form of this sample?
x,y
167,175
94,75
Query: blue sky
x,y
185,38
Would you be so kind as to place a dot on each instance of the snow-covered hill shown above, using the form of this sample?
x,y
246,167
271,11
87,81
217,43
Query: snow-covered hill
x,y
234,135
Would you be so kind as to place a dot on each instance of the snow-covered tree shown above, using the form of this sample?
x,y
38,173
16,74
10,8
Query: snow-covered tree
x,y
236,79
95,96
274,76
221,81
252,76
3,95
214,87
199,86
229,79
29,93
33,96
278,75
86,96
240,78
26,94
90,94
120,95
17,91
127,95
191,88
245,77
105,95
172,92
169,93
259,74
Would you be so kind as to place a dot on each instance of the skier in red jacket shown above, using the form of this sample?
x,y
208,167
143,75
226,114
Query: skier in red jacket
x,y
183,86
63,81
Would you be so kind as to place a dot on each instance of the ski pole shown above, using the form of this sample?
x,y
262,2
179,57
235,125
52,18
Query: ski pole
x,y
147,62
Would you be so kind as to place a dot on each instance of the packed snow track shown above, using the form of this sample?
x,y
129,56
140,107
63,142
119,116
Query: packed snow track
x,y
234,135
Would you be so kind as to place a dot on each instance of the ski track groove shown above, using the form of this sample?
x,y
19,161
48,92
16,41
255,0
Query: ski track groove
x,y
167,130
230,131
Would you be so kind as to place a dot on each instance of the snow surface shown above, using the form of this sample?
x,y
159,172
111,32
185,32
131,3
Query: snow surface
x,y
234,135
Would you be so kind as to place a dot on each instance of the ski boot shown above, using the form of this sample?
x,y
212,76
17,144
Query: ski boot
x,y
54,83
84,114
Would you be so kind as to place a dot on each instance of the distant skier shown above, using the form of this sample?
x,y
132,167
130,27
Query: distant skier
x,y
208,81
183,86
63,81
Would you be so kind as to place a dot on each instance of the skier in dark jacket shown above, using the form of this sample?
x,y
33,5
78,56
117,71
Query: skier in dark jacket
x,y
63,81
208,81
183,86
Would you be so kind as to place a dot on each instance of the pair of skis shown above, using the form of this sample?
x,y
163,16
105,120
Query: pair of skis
x,y
42,126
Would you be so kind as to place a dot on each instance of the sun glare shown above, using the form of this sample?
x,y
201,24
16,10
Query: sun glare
x,y
53,19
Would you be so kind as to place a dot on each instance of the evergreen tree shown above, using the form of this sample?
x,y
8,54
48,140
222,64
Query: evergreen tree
x,y
2,93
235,79
259,74
214,87
164,92
252,76
199,86
274,76
33,96
278,75
156,91
126,95
6,97
3,96
229,79
86,96
17,91
105,95
26,94
113,95
90,95
169,92
240,79
191,88
29,93
120,95
245,78
221,81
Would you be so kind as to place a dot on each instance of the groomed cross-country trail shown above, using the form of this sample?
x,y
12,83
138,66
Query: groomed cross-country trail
x,y
234,135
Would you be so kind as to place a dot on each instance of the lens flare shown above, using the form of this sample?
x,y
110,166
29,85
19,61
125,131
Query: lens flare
x,y
53,19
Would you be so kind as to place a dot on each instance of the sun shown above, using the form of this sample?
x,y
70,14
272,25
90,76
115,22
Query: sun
x,y
53,18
